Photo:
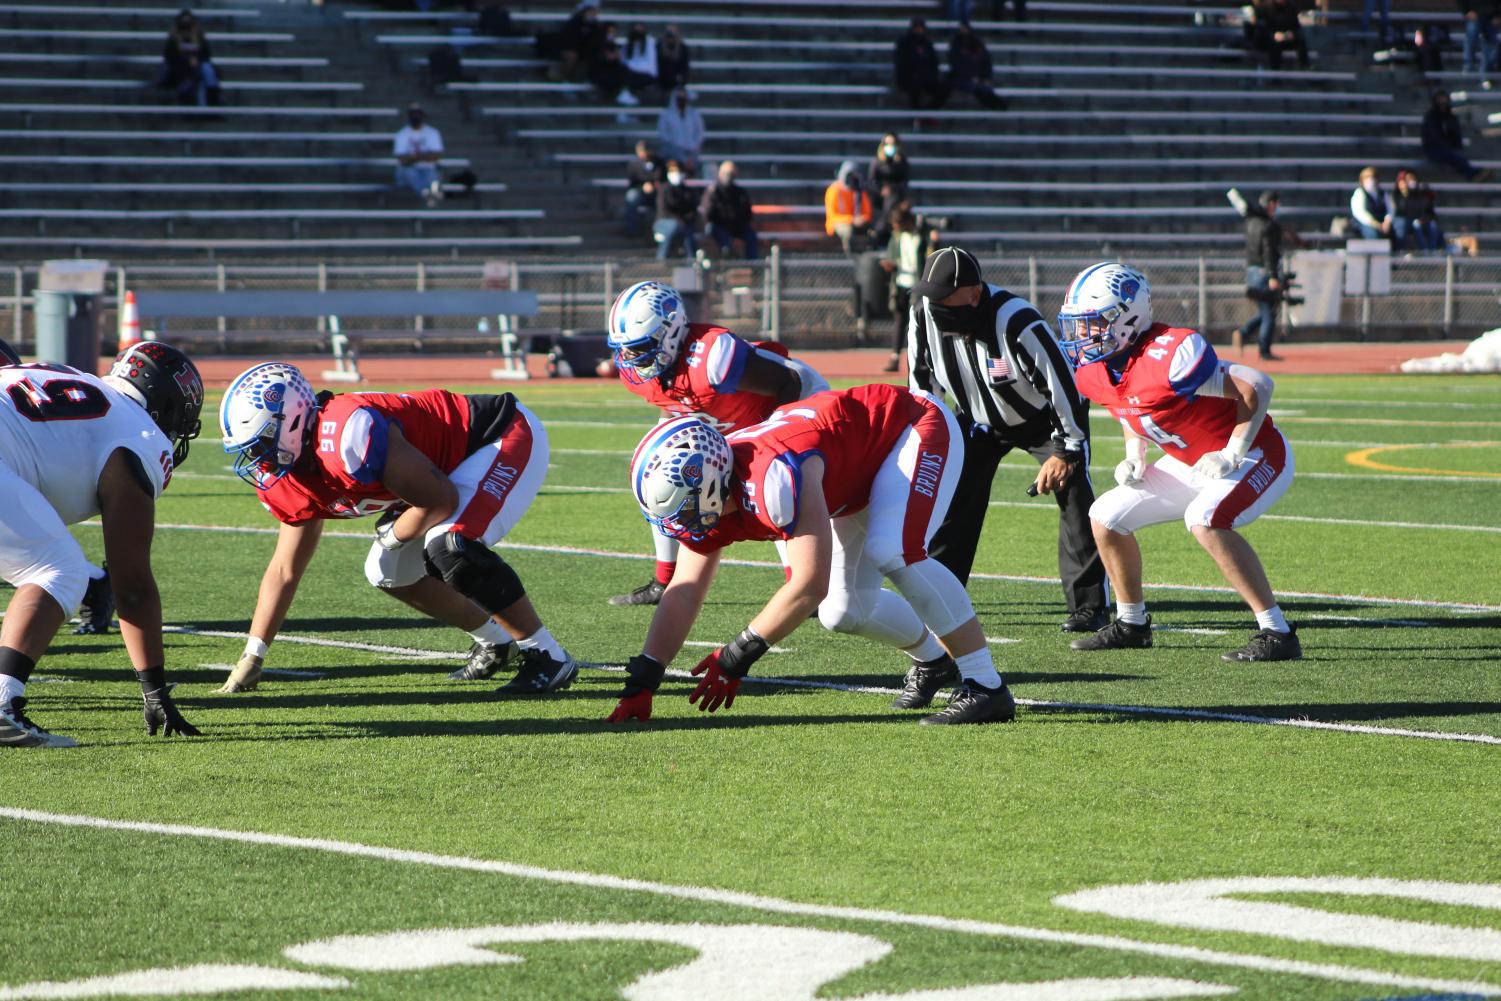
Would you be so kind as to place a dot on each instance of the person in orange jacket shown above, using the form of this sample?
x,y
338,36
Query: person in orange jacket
x,y
847,208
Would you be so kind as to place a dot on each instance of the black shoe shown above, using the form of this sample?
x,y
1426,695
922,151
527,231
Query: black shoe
x,y
1268,356
18,731
972,703
646,594
539,674
923,682
1268,644
1085,620
1117,636
97,609
484,660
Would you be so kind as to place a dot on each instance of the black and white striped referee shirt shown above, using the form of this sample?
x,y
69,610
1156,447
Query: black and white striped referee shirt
x,y
1016,381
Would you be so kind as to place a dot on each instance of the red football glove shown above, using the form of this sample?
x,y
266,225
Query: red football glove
x,y
634,706
716,688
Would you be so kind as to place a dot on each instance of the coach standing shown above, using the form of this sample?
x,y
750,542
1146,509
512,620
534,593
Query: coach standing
x,y
996,357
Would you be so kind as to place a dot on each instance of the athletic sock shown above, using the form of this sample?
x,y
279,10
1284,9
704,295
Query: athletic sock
x,y
925,650
10,688
1272,619
1131,612
490,632
664,572
543,640
978,666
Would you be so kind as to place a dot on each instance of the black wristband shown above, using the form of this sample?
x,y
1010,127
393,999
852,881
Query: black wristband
x,y
739,654
643,674
152,678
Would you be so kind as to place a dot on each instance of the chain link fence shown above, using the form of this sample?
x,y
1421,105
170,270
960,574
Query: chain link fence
x,y
807,301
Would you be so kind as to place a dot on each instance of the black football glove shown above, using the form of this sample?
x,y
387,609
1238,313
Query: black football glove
x,y
161,714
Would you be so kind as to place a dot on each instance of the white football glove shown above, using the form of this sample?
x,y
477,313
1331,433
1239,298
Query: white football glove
x,y
1130,471
1216,465
385,532
245,676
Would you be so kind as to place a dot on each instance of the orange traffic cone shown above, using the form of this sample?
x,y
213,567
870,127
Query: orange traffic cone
x,y
130,323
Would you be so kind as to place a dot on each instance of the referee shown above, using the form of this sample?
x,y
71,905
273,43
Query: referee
x,y
996,357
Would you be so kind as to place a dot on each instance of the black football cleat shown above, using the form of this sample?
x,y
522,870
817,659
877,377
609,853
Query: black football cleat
x,y
924,681
1085,620
974,703
97,609
539,674
646,594
16,730
1268,644
485,659
1117,636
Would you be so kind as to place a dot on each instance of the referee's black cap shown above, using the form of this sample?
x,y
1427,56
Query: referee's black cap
x,y
947,271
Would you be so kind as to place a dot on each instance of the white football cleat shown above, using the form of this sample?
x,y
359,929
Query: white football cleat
x,y
18,731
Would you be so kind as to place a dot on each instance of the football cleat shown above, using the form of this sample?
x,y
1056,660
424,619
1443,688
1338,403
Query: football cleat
x,y
1085,620
485,659
540,674
98,607
923,682
647,594
16,730
1118,635
1268,644
974,703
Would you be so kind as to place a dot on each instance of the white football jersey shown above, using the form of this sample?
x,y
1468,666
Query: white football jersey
x,y
58,427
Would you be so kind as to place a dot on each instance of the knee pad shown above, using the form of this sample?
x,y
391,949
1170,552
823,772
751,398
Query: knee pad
x,y
841,612
388,568
939,599
472,569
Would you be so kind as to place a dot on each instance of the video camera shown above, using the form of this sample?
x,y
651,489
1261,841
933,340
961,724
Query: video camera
x,y
1286,291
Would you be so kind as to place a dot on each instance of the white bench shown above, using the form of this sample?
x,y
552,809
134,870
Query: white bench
x,y
803,89
165,13
221,188
112,59
186,136
219,38
192,162
279,111
344,243
232,86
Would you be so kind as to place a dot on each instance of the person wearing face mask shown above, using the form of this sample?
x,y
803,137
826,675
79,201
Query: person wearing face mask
x,y
680,130
677,215
418,147
890,171
1012,387
728,213
847,210
1372,207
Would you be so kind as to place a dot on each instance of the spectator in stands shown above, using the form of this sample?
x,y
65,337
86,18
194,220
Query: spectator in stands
x,y
1428,41
1481,19
905,253
641,59
727,212
917,68
1443,140
680,130
677,215
1276,30
1384,8
889,171
643,177
1264,274
1371,207
672,59
188,64
574,45
418,147
608,74
1416,223
847,209
970,69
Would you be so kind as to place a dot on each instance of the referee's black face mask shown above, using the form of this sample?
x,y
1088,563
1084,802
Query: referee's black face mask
x,y
968,321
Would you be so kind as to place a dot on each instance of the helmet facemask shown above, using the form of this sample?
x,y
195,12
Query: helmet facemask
x,y
646,330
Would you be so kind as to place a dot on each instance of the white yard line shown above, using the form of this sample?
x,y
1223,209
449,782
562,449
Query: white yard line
x,y
773,905
1310,519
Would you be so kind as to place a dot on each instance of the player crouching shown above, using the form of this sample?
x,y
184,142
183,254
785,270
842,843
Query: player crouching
x,y
451,476
1226,462
855,482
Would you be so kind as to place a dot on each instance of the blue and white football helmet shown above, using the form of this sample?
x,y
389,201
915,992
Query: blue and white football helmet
x,y
648,325
1106,308
266,419
680,475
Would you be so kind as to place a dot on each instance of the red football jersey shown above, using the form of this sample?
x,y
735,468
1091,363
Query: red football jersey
x,y
341,478
705,380
852,430
1153,394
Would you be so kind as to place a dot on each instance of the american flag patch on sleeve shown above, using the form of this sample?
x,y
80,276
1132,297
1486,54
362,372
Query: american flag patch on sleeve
x,y
999,370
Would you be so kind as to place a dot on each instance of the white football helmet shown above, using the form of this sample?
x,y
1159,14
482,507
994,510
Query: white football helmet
x,y
680,475
266,419
648,325
1107,307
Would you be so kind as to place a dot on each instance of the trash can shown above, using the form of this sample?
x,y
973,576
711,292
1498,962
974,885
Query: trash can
x,y
69,313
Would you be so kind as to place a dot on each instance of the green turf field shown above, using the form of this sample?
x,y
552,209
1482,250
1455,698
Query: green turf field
x,y
809,842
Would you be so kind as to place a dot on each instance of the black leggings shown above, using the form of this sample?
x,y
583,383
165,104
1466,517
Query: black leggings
x,y
900,320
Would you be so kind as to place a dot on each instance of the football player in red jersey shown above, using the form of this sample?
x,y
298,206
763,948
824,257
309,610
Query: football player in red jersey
x,y
855,482
697,370
450,476
1225,463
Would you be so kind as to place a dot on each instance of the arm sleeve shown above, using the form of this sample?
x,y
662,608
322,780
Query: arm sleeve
x,y
1359,211
363,442
1194,363
725,364
919,364
402,144
1052,375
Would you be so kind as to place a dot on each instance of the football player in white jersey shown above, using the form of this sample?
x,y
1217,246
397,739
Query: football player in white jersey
x,y
73,446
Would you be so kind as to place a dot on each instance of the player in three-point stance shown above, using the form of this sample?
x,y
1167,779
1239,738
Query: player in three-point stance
x,y
73,446
855,482
698,370
1225,463
450,476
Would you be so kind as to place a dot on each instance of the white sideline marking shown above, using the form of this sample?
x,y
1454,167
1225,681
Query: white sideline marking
x,y
1000,640
177,981
774,905
277,671
1416,623
1492,529
1190,631
1390,404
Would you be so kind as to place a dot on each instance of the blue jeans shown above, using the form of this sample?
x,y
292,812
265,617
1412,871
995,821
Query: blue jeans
x,y
724,237
1370,232
958,10
1264,324
417,178
1452,158
1423,232
638,205
1475,30
1384,8
672,234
